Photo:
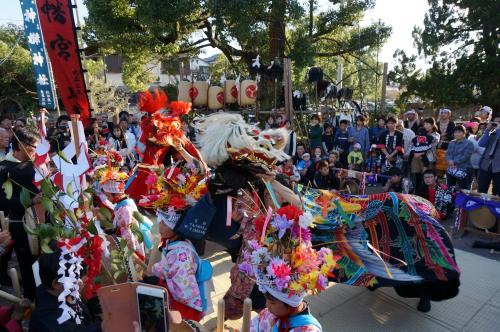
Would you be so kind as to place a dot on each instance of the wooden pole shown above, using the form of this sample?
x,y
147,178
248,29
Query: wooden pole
x,y
15,282
76,135
9,297
247,310
4,221
287,83
220,315
384,88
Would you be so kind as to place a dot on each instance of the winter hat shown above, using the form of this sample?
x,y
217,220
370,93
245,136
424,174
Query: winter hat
x,y
357,146
421,143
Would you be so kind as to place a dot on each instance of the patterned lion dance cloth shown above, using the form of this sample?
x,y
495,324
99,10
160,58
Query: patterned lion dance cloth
x,y
386,239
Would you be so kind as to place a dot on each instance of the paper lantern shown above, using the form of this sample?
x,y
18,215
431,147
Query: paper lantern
x,y
199,93
215,98
183,91
248,93
230,92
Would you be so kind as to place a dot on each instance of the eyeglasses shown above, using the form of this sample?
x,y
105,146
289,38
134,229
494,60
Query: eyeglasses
x,y
30,145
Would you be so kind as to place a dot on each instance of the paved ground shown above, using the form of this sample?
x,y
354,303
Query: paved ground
x,y
346,308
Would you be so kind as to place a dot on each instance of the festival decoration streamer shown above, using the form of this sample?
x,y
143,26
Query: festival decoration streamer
x,y
273,196
43,77
58,28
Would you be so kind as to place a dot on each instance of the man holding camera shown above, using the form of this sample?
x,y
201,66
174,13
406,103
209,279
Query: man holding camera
x,y
489,165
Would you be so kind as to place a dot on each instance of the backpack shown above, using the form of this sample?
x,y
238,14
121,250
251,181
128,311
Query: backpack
x,y
204,271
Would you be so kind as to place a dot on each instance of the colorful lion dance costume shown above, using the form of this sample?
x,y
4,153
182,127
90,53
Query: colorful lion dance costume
x,y
386,239
163,137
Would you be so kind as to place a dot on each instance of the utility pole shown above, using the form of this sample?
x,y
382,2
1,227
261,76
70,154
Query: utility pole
x,y
384,88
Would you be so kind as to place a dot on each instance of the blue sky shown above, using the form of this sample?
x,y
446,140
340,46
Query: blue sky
x,y
402,15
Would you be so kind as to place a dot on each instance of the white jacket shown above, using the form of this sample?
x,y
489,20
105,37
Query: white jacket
x,y
478,152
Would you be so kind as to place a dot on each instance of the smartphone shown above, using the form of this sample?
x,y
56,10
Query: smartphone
x,y
151,307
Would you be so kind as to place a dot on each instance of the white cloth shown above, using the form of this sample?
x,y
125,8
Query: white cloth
x,y
293,301
408,135
478,152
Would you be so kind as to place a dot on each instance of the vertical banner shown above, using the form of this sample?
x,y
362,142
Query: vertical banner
x,y
58,28
43,77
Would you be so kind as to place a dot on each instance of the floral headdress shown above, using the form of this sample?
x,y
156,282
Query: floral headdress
x,y
113,181
282,260
176,187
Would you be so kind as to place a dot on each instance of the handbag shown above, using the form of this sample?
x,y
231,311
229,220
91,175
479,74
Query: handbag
x,y
457,173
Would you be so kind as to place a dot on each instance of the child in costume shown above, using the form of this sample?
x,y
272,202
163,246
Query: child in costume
x,y
305,163
355,157
178,270
165,142
285,267
422,144
373,166
126,214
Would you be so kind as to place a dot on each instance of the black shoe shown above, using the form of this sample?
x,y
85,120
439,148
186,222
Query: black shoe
x,y
424,305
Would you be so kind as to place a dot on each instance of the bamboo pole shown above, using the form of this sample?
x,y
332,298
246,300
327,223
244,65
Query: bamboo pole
x,y
76,134
15,282
247,310
4,221
220,315
9,297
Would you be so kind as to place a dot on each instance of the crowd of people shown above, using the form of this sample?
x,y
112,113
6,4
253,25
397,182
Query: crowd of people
x,y
385,155
400,153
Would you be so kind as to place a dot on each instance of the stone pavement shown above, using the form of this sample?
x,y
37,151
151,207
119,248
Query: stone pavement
x,y
347,308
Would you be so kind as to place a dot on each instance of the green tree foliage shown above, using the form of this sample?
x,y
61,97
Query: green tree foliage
x,y
462,40
17,79
104,97
143,30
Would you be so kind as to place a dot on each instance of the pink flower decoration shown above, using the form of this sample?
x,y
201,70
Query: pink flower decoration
x,y
151,180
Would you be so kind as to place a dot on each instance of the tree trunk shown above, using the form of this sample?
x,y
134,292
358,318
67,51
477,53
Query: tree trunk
x,y
277,29
311,17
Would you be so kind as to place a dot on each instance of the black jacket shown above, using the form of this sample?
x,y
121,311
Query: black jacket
x,y
326,182
47,311
449,134
21,175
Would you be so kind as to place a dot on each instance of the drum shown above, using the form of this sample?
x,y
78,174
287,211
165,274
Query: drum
x,y
350,187
215,98
183,91
481,218
199,93
441,164
230,92
248,93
